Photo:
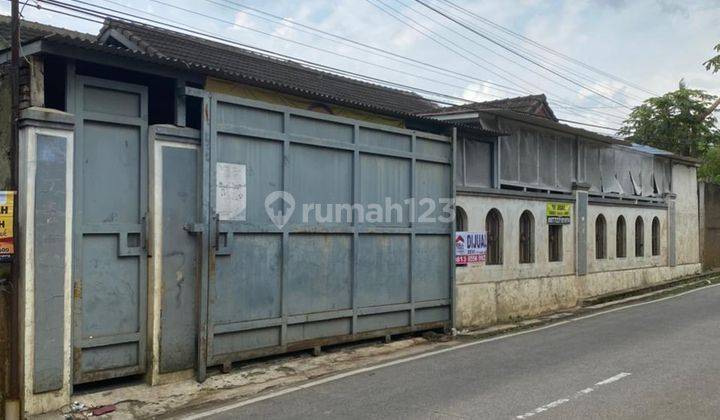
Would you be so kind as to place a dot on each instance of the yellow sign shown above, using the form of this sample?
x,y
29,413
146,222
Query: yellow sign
x,y
7,246
558,213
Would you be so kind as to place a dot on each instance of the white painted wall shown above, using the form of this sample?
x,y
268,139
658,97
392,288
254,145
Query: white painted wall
x,y
611,214
477,208
41,403
489,294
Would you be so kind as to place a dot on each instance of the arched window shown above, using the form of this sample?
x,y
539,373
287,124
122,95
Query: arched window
x,y
527,238
460,219
555,243
621,238
494,229
600,238
639,237
656,236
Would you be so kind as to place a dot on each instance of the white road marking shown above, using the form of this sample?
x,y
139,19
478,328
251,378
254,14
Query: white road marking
x,y
613,379
332,378
581,393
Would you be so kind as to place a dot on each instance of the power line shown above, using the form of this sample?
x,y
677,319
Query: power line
x,y
292,24
449,45
548,61
195,31
307,45
189,29
550,50
376,80
566,102
471,29
334,37
586,124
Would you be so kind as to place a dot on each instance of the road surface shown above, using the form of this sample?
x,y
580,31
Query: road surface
x,y
656,361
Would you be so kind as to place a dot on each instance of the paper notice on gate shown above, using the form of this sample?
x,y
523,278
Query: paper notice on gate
x,y
231,191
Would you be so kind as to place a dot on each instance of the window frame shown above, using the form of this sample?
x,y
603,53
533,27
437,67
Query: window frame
x,y
494,244
621,237
527,245
555,247
461,219
600,237
639,237
655,240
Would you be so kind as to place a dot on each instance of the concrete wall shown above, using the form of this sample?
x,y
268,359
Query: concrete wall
x,y
487,294
710,230
684,184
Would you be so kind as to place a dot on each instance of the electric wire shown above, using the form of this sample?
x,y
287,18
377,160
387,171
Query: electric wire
x,y
97,14
452,19
550,50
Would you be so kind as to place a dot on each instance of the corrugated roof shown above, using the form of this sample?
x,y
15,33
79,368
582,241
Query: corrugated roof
x,y
264,69
535,105
644,148
30,31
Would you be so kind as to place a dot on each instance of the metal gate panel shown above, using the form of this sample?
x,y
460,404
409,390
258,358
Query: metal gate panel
x,y
176,209
273,288
110,255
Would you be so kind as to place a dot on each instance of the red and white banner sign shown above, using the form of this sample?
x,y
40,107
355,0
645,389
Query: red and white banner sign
x,y
470,247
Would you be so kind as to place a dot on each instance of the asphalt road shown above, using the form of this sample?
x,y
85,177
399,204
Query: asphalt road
x,y
655,361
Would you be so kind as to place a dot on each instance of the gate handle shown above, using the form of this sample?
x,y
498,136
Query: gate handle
x,y
194,228
221,249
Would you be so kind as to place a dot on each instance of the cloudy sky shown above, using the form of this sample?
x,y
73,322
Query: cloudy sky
x,y
647,46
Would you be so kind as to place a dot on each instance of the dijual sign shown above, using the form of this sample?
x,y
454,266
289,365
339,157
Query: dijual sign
x,y
470,247
7,247
558,213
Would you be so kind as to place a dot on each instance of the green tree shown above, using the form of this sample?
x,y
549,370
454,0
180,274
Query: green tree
x,y
710,169
674,122
713,64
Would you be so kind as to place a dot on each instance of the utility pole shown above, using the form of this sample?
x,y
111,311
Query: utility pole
x,y
14,385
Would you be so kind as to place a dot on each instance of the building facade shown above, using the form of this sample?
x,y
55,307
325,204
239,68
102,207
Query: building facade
x,y
633,213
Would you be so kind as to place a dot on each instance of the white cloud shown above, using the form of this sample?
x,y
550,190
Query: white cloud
x,y
478,92
242,20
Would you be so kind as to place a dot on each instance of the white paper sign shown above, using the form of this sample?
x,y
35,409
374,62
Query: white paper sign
x,y
230,191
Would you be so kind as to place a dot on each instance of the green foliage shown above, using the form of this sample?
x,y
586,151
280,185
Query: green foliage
x,y
713,64
673,122
710,169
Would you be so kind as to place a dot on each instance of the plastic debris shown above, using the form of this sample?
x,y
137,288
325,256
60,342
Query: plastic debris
x,y
77,406
99,411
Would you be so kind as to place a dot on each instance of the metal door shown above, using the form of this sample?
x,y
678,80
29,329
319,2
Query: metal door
x,y
274,288
177,243
110,218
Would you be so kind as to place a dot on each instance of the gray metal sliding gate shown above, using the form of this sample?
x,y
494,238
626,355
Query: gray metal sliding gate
x,y
262,232
273,286
252,285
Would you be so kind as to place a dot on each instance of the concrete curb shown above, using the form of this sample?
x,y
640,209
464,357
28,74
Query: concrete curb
x,y
616,296
596,304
